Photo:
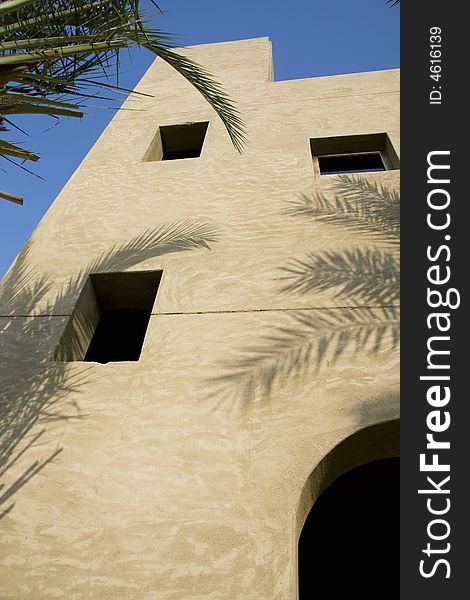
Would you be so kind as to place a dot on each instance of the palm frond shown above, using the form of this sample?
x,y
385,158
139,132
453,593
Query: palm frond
x,y
8,149
11,197
13,98
9,6
50,48
211,91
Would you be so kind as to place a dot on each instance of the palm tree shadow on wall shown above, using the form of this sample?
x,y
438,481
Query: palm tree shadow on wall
x,y
39,395
363,280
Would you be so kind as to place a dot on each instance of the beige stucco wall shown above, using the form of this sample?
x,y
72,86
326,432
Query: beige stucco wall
x,y
180,476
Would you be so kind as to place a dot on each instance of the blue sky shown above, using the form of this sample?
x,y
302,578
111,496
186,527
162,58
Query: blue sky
x,y
310,38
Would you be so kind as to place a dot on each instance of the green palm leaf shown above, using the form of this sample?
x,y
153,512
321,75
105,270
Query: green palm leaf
x,y
51,48
8,149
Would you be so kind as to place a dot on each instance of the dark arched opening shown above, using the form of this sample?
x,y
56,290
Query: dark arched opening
x,y
349,544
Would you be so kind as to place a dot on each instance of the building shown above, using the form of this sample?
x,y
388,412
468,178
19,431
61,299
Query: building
x,y
264,289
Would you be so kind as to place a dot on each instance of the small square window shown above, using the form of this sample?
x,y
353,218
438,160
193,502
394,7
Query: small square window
x,y
110,319
173,142
353,154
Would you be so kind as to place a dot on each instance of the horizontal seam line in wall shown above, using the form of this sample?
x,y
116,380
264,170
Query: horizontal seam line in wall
x,y
310,98
249,104
221,312
251,310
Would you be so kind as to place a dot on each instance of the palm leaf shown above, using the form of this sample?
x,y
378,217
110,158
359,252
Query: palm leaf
x,y
8,149
11,5
11,197
79,37
50,48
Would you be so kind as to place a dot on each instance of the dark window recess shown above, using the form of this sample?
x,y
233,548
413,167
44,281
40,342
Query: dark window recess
x,y
119,335
351,536
173,142
353,154
110,319
177,154
351,163
183,141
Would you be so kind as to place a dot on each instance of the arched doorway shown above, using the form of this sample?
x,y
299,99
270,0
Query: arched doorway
x,y
349,543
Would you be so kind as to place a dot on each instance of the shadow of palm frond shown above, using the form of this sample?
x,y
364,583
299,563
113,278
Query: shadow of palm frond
x,y
38,395
365,207
22,286
23,405
365,280
358,275
179,236
313,341
370,275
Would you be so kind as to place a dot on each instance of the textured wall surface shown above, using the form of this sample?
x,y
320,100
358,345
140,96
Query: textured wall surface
x,y
272,339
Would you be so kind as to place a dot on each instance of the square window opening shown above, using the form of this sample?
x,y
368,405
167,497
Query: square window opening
x,y
174,142
111,317
353,154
